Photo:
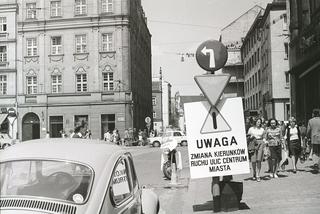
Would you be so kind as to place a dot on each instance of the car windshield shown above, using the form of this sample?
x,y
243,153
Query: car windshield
x,y
46,178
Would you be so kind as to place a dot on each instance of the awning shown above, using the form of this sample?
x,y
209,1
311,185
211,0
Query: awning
x,y
3,118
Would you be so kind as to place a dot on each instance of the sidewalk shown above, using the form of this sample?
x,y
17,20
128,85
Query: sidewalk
x,y
290,193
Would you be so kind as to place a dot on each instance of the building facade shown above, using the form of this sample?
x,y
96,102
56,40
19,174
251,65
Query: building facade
x,y
82,61
166,104
265,59
161,101
8,68
157,105
304,54
232,37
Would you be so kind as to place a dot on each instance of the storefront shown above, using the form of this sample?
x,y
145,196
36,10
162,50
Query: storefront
x,y
305,83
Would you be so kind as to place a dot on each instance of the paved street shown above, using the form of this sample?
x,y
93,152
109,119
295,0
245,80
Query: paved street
x,y
291,193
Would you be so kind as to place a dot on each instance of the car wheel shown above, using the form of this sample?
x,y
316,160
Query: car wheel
x,y
156,144
184,143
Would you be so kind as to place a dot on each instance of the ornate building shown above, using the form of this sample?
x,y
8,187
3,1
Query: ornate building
x,y
8,69
265,59
82,61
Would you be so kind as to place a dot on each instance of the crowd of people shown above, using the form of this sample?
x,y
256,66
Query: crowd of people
x,y
277,141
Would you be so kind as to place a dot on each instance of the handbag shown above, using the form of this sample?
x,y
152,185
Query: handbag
x,y
266,152
251,145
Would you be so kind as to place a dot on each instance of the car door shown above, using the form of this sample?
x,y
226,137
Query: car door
x,y
122,195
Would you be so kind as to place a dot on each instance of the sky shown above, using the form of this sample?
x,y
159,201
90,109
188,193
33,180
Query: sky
x,y
180,26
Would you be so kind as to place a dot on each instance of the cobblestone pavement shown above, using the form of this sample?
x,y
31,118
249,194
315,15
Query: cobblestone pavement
x,y
290,193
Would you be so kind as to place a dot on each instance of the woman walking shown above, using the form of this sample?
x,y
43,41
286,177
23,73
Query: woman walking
x,y
255,134
293,139
273,137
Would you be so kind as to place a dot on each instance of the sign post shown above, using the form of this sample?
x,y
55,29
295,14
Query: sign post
x,y
215,128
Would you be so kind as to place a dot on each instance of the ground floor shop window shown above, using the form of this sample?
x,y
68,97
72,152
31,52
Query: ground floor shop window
x,y
108,122
80,119
56,126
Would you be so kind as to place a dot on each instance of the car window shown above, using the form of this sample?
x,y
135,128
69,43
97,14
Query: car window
x,y
46,178
120,187
176,134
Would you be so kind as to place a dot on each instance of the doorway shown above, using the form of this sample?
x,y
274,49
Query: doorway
x,y
30,127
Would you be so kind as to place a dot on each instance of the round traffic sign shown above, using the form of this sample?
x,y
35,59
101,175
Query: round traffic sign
x,y
211,55
147,120
11,112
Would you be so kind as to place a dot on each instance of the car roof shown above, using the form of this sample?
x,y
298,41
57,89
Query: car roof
x,y
91,152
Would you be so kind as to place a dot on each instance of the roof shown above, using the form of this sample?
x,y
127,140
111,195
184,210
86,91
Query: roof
x,y
252,8
95,153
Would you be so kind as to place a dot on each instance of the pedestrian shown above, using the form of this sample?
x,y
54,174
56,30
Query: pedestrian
x,y
115,137
303,133
107,136
135,134
255,134
79,131
126,136
140,137
47,135
273,138
293,140
313,132
88,134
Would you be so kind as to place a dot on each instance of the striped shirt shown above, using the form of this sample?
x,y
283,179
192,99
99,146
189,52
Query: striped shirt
x,y
273,136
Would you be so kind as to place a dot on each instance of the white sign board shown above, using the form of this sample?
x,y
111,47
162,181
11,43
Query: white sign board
x,y
120,180
216,138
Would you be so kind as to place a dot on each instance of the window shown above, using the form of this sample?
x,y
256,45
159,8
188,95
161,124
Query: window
x,y
107,42
260,98
154,101
108,81
108,122
286,51
80,120
56,83
154,114
121,182
258,54
3,84
81,43
31,11
287,77
32,47
56,45
3,24
3,54
106,6
82,84
31,85
55,8
259,76
255,79
285,22
80,7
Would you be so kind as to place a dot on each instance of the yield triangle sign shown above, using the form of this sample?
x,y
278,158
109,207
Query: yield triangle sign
x,y
214,122
212,86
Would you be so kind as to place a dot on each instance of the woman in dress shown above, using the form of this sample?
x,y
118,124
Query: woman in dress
x,y
273,137
293,139
255,134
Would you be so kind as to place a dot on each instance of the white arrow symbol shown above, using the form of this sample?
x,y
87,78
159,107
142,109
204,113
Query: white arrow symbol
x,y
206,51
